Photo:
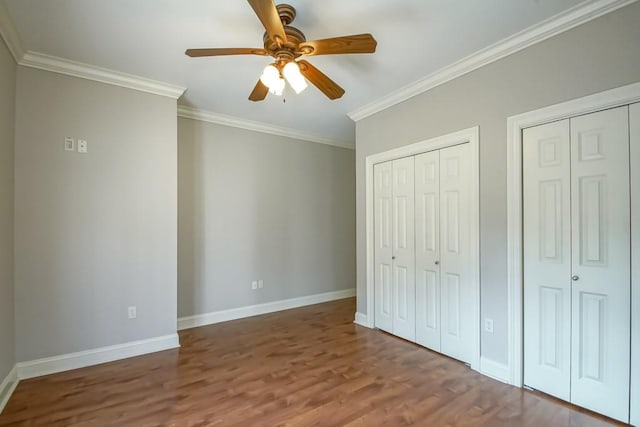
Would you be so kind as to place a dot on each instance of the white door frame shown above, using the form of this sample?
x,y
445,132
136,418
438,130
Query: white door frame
x,y
515,124
634,155
470,136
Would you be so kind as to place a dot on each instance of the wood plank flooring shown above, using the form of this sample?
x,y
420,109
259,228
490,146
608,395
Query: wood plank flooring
x,y
310,366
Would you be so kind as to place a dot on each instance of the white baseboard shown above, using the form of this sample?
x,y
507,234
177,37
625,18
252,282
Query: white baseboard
x,y
495,370
362,320
255,310
66,362
7,387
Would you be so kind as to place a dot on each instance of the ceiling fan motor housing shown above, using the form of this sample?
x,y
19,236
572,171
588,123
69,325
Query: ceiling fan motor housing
x,y
289,50
287,13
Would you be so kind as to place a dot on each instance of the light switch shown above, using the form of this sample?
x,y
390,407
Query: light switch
x,y
488,325
69,144
82,146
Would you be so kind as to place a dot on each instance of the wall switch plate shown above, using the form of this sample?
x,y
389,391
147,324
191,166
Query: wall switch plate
x,y
132,312
69,144
254,285
260,284
82,146
488,325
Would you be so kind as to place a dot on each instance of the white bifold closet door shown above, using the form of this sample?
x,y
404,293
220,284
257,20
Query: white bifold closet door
x,y
383,253
576,228
422,217
394,247
443,252
428,324
547,258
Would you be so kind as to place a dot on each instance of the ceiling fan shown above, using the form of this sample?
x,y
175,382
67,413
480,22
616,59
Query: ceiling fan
x,y
286,44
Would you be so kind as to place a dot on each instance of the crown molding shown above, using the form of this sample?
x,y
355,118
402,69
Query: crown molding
x,y
9,34
237,122
564,21
77,69
55,64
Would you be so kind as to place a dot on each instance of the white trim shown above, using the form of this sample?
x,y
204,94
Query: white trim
x,y
55,64
577,15
588,104
471,136
237,122
258,309
10,35
81,359
495,370
7,387
634,156
362,320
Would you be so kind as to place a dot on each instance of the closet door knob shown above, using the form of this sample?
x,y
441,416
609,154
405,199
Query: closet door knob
x,y
437,262
393,257
575,278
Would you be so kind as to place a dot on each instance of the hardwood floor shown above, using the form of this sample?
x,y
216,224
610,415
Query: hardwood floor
x,y
302,367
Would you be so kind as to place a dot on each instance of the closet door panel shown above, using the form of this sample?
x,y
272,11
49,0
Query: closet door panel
x,y
634,126
404,321
547,258
601,262
456,285
383,240
427,177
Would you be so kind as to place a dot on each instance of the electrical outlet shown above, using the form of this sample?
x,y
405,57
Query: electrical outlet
x,y
132,312
260,284
488,325
82,146
254,285
69,144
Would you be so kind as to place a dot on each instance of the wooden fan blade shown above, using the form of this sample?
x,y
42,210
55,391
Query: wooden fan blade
x,y
259,92
225,51
270,18
357,43
320,80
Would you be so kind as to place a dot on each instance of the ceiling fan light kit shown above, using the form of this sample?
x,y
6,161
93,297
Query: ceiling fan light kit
x,y
271,78
286,44
295,78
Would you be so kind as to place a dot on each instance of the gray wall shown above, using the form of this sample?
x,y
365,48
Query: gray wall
x,y
7,115
594,57
258,206
96,232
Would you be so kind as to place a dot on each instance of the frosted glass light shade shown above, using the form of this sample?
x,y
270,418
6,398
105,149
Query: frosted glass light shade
x,y
277,86
269,76
292,73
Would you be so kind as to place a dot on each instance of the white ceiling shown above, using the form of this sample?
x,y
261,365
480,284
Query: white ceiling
x,y
148,38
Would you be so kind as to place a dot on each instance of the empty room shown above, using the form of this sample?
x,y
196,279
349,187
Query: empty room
x,y
320,213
